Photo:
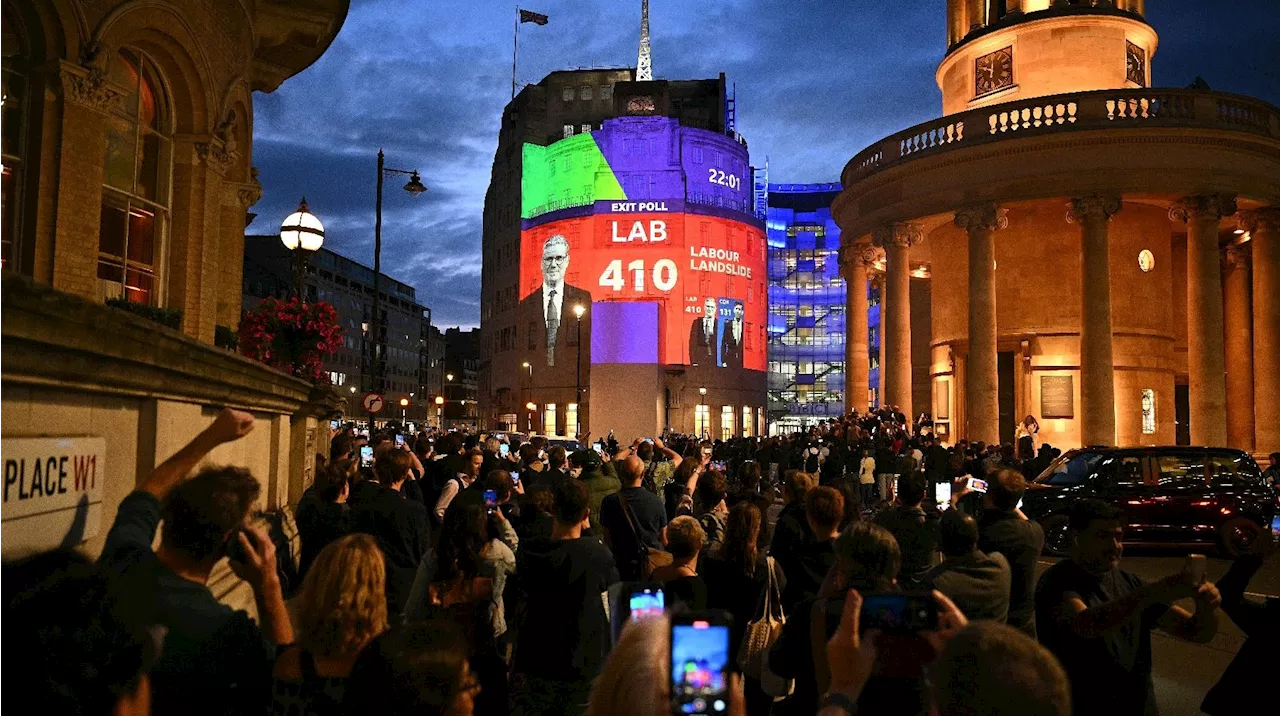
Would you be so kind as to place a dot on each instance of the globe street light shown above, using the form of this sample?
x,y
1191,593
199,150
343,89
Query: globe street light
x,y
578,310
404,410
440,411
302,233
530,406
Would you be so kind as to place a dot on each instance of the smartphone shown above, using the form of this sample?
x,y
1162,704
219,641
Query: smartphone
x,y
504,449
490,498
699,662
717,465
898,612
399,441
515,476
1195,566
598,447
649,440
645,600
366,456
233,549
333,424
976,485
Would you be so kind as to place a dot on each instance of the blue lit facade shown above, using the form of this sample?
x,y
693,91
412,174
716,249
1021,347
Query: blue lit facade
x,y
806,379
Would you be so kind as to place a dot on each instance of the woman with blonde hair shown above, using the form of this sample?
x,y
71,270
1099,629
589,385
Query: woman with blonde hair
x,y
341,607
636,679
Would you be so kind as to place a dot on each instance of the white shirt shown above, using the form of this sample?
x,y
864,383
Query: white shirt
x,y
555,302
737,332
708,327
449,492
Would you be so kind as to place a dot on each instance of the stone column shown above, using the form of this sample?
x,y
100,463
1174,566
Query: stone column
x,y
1206,359
879,284
895,312
1097,371
982,381
1237,325
1264,238
857,370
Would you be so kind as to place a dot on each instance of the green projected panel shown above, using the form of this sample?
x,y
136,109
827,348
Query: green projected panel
x,y
571,172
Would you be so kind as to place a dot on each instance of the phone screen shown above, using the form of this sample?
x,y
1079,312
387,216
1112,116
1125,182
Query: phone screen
x,y
366,456
646,602
399,441
598,447
490,498
717,465
504,449
899,612
977,485
333,424
699,658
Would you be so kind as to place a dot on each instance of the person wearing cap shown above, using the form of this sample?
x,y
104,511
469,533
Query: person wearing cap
x,y
591,471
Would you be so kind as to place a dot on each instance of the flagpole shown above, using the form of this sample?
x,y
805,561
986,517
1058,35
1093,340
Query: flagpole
x,y
515,49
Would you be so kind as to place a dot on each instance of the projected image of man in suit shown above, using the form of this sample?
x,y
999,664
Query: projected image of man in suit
x,y
702,336
731,342
550,309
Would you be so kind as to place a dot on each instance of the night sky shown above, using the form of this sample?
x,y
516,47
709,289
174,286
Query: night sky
x,y
817,81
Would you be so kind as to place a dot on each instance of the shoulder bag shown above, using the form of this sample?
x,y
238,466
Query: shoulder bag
x,y
761,634
648,557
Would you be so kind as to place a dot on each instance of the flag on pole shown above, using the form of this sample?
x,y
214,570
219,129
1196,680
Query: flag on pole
x,y
534,17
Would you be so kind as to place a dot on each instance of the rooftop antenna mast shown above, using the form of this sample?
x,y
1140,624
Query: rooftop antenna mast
x,y
644,66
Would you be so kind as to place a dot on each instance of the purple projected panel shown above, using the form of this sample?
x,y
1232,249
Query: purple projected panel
x,y
624,332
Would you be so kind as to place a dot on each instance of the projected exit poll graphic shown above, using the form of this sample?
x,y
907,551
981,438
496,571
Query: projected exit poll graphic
x,y
647,225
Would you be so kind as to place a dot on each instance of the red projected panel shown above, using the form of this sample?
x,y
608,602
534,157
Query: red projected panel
x,y
706,273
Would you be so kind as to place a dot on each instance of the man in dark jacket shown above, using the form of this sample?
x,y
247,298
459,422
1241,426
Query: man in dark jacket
x,y
399,525
809,561
978,583
564,635
915,530
1003,529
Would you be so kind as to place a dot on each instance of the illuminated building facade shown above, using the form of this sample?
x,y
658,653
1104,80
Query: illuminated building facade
x,y
807,321
1101,255
623,285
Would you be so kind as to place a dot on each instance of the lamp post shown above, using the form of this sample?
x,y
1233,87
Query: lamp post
x,y
702,392
404,410
440,412
303,234
415,189
530,406
578,310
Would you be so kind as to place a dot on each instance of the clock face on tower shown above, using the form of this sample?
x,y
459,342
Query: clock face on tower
x,y
993,72
1135,69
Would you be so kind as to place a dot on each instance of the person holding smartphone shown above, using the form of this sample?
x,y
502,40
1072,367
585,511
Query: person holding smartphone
x,y
203,514
1097,619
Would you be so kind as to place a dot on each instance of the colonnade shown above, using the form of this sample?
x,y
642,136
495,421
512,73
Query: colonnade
x,y
1233,351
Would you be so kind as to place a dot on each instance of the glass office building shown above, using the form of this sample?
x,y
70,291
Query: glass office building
x,y
806,380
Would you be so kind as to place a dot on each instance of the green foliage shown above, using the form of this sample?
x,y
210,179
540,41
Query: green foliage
x,y
163,316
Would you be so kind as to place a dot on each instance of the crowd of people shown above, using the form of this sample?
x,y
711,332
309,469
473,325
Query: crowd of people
x,y
458,574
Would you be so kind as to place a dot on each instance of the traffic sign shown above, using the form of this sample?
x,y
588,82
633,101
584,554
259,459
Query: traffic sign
x,y
374,402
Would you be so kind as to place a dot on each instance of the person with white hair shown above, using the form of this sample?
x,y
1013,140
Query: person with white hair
x,y
550,310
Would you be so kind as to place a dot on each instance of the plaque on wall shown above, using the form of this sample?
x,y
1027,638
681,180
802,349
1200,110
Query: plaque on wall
x,y
942,399
1056,397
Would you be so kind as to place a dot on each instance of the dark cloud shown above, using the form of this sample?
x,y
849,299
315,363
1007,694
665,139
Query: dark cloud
x,y
817,81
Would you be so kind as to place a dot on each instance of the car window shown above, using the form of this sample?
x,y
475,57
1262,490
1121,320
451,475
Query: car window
x,y
1180,473
1070,469
1126,472
1233,470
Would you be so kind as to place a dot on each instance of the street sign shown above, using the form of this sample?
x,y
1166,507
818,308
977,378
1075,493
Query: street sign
x,y
52,491
374,402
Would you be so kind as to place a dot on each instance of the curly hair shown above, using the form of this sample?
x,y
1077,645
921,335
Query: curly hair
x,y
202,511
343,601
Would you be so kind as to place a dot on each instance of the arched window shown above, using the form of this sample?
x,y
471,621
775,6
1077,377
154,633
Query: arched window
x,y
137,166
13,127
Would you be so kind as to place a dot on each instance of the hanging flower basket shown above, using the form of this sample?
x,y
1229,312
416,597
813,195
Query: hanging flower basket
x,y
292,336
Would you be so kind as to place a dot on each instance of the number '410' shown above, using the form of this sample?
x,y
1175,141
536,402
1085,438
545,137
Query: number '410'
x,y
664,275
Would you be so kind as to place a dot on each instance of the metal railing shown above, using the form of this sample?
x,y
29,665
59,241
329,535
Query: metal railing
x,y
1087,111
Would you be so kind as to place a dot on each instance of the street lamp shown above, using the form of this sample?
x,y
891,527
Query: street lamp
x,y
530,406
415,189
440,411
404,410
302,233
578,310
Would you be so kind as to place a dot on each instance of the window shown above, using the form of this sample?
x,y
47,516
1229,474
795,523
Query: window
x,y
746,421
568,130
586,129
549,419
760,419
567,95
702,420
584,93
135,196
1180,472
1070,469
13,75
1148,411
571,420
606,92
726,422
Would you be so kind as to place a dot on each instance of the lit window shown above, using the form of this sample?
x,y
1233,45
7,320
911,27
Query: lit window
x,y
1148,411
13,124
726,422
584,93
567,95
746,421
568,130
702,420
549,419
135,199
586,129
571,420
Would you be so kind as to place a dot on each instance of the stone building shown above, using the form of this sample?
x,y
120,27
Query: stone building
x,y
127,149
1102,254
